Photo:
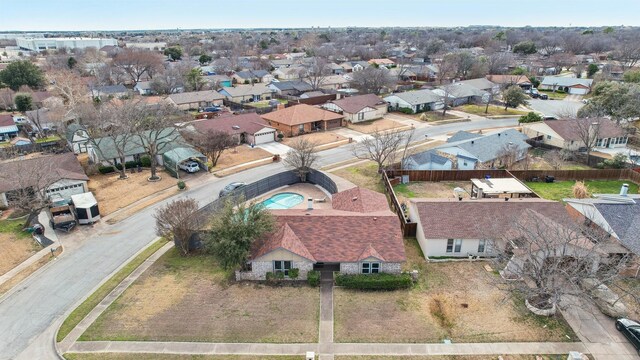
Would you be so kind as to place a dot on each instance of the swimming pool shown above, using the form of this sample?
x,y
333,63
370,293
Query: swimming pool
x,y
283,201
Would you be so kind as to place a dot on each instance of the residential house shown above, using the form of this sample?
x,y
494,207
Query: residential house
x,y
247,93
469,151
618,216
417,101
460,93
291,88
453,228
335,82
427,160
569,85
311,94
247,128
108,91
252,76
46,118
293,72
64,177
143,88
482,84
358,235
335,69
77,138
303,118
565,133
8,128
195,99
354,66
388,63
508,80
359,108
45,99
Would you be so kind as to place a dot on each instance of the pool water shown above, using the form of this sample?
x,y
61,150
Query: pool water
x,y
283,201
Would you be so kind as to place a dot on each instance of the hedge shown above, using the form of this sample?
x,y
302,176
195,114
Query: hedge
x,y
294,273
313,278
380,281
106,169
145,161
405,110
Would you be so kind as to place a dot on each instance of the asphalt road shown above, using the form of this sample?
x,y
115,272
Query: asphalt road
x,y
555,107
30,313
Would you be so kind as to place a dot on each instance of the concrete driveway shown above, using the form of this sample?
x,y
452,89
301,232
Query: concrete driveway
x,y
555,107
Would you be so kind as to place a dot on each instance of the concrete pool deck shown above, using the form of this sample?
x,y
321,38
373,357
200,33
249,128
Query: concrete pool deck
x,y
306,190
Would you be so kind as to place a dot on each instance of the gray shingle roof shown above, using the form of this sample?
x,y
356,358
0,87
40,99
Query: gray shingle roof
x,y
565,81
292,85
487,147
418,97
624,219
462,135
169,138
427,157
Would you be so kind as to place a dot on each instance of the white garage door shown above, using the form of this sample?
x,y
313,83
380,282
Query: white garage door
x,y
577,91
265,137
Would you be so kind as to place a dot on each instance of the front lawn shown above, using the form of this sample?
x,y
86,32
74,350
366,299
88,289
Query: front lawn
x,y
318,138
16,245
459,301
368,127
191,299
363,175
554,95
48,139
559,190
492,111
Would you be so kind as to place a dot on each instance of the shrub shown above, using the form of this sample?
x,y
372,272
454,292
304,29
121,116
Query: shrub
x,y
580,190
405,110
294,273
275,278
530,117
106,169
130,164
181,185
145,161
379,281
313,278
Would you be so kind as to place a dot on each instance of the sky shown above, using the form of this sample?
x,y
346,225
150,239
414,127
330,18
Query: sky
x,y
73,15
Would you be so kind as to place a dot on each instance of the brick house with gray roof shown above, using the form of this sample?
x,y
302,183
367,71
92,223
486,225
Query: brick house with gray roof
x,y
358,235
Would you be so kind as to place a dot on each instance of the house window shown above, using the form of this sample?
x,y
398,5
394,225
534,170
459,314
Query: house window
x,y
481,245
449,245
548,137
360,116
282,266
599,142
370,267
301,127
458,246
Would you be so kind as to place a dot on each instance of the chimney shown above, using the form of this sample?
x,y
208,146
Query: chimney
x,y
624,190
310,204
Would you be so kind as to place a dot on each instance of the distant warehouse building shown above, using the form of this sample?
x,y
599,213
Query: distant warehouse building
x,y
39,44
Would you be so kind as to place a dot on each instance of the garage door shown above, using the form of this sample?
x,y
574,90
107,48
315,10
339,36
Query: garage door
x,y
577,91
265,137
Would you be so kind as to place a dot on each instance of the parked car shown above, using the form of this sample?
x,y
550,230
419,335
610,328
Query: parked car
x,y
212,109
630,329
230,188
547,117
534,93
189,166
543,96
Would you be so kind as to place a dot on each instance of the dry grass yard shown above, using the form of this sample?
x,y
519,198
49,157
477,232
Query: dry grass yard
x,y
318,138
369,127
190,299
454,300
239,155
457,357
114,194
363,175
439,190
125,356
17,245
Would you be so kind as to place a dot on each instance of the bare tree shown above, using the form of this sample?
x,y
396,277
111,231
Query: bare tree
x,y
498,63
302,157
170,81
178,221
29,180
6,99
447,68
138,62
555,158
156,132
212,143
628,53
68,85
372,80
588,131
552,258
317,72
509,154
381,147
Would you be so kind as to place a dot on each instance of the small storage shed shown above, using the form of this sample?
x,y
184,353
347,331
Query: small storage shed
x,y
87,210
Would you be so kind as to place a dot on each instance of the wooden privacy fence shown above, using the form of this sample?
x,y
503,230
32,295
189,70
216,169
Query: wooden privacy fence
x,y
408,228
523,175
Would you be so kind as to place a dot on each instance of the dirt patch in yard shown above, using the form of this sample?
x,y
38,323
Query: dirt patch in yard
x,y
457,301
318,138
437,190
189,299
113,194
363,175
239,155
17,245
369,127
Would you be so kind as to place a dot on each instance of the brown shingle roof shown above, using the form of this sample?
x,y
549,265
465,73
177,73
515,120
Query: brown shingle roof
x,y
353,104
63,166
6,120
479,219
249,123
567,128
360,200
286,239
336,236
301,114
509,79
